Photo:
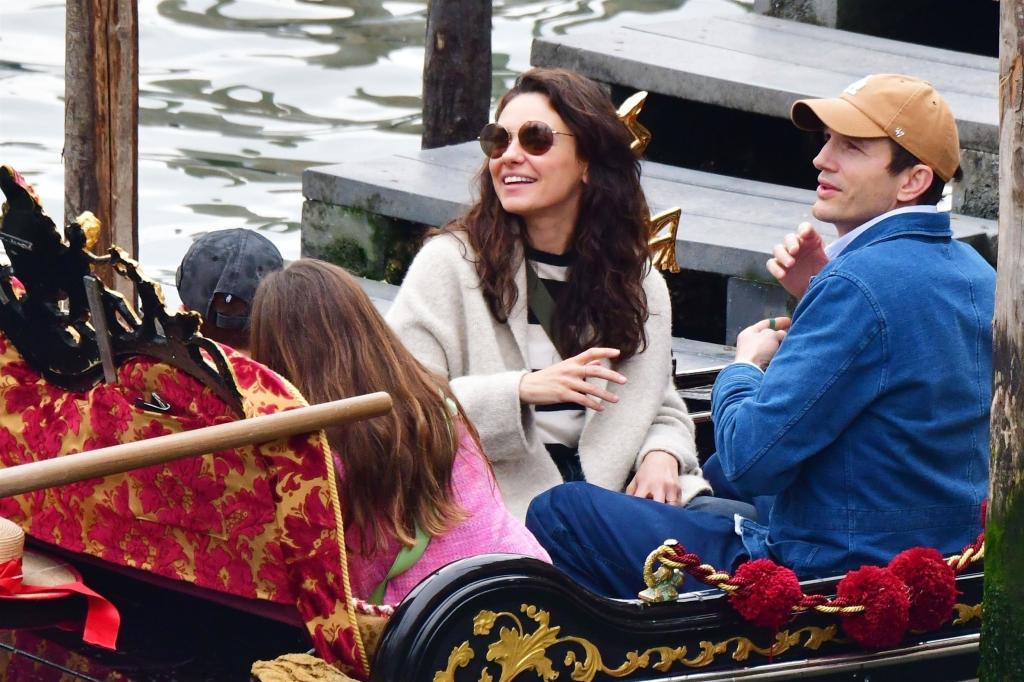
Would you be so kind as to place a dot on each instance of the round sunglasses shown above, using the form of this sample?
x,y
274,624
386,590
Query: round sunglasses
x,y
535,138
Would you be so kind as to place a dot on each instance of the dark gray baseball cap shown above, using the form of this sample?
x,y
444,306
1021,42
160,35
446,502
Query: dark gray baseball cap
x,y
230,262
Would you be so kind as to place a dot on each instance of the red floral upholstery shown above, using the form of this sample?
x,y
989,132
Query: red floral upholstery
x,y
254,522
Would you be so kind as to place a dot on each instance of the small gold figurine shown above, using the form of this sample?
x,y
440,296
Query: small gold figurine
x,y
90,225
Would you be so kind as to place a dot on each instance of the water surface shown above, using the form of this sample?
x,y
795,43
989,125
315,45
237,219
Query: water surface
x,y
237,97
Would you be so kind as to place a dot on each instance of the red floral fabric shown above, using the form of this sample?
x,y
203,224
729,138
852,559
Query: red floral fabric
x,y
254,522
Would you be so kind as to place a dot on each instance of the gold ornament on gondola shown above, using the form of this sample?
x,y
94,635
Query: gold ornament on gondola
x,y
75,341
965,613
522,649
91,226
661,238
627,113
661,233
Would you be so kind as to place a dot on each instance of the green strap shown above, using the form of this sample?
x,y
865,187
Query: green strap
x,y
540,302
407,557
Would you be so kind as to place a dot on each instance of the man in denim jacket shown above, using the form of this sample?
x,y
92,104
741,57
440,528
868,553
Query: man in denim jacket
x,y
869,424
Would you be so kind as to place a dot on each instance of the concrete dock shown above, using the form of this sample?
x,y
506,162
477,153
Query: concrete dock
x,y
761,65
370,216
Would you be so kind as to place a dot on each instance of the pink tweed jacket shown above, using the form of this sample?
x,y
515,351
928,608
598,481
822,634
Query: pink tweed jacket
x,y
489,528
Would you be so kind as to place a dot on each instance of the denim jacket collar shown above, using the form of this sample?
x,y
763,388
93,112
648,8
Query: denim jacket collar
x,y
903,225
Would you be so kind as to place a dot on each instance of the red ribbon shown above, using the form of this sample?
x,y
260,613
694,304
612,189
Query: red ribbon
x,y
102,621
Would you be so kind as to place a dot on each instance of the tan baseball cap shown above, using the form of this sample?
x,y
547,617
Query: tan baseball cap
x,y
905,109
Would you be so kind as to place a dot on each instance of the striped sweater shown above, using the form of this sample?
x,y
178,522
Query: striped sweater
x,y
559,426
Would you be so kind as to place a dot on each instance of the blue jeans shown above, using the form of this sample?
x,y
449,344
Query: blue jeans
x,y
601,538
758,508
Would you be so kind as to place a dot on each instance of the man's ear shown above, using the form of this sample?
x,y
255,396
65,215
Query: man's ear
x,y
916,182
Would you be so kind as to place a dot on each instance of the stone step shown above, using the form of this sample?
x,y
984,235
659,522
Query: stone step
x,y
761,64
728,225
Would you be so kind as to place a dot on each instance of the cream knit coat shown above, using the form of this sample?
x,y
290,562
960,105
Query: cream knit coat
x,y
441,316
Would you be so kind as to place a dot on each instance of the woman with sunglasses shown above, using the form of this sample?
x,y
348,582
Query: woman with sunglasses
x,y
541,307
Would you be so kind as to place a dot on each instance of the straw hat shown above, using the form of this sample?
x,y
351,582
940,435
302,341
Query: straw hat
x,y
37,570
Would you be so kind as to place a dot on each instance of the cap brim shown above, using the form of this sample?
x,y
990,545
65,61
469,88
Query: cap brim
x,y
835,114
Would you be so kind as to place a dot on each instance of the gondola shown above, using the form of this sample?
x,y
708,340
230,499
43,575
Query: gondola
x,y
252,535
255,528
501,618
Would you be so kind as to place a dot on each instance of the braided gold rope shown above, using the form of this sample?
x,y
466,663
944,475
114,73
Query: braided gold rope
x,y
969,556
717,577
822,608
339,525
649,566
720,579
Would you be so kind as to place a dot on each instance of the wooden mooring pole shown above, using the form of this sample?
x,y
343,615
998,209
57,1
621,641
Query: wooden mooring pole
x,y
1002,633
101,121
456,71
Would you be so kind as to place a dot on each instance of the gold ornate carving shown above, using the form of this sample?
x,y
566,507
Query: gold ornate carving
x,y
661,238
458,658
627,113
663,246
965,613
517,651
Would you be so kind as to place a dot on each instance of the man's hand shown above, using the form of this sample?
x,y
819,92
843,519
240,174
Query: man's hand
x,y
657,478
799,257
757,344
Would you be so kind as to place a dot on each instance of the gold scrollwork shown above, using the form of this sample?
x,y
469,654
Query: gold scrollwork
x,y
627,113
458,658
517,651
661,239
965,613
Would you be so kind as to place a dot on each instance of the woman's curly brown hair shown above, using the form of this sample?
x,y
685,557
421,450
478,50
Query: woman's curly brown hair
x,y
603,302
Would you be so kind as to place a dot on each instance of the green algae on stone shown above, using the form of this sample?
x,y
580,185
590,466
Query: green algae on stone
x,y
365,243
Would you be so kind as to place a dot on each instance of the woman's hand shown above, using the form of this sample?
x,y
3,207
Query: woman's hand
x,y
657,478
566,382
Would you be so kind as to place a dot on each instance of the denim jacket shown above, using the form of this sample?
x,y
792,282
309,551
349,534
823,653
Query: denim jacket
x,y
871,424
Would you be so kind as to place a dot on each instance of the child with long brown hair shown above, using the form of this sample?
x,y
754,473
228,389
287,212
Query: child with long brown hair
x,y
414,479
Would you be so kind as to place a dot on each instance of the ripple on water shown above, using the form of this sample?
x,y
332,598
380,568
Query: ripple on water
x,y
237,97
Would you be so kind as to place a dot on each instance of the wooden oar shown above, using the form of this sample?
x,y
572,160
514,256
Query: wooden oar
x,y
117,459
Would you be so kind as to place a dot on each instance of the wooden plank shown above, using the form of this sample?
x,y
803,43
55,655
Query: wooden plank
x,y
456,71
101,122
117,459
693,357
729,225
761,64
1002,651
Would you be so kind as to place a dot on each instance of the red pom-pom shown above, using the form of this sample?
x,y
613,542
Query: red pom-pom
x,y
770,594
984,512
932,585
886,614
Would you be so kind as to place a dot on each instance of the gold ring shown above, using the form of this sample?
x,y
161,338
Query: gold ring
x,y
771,323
